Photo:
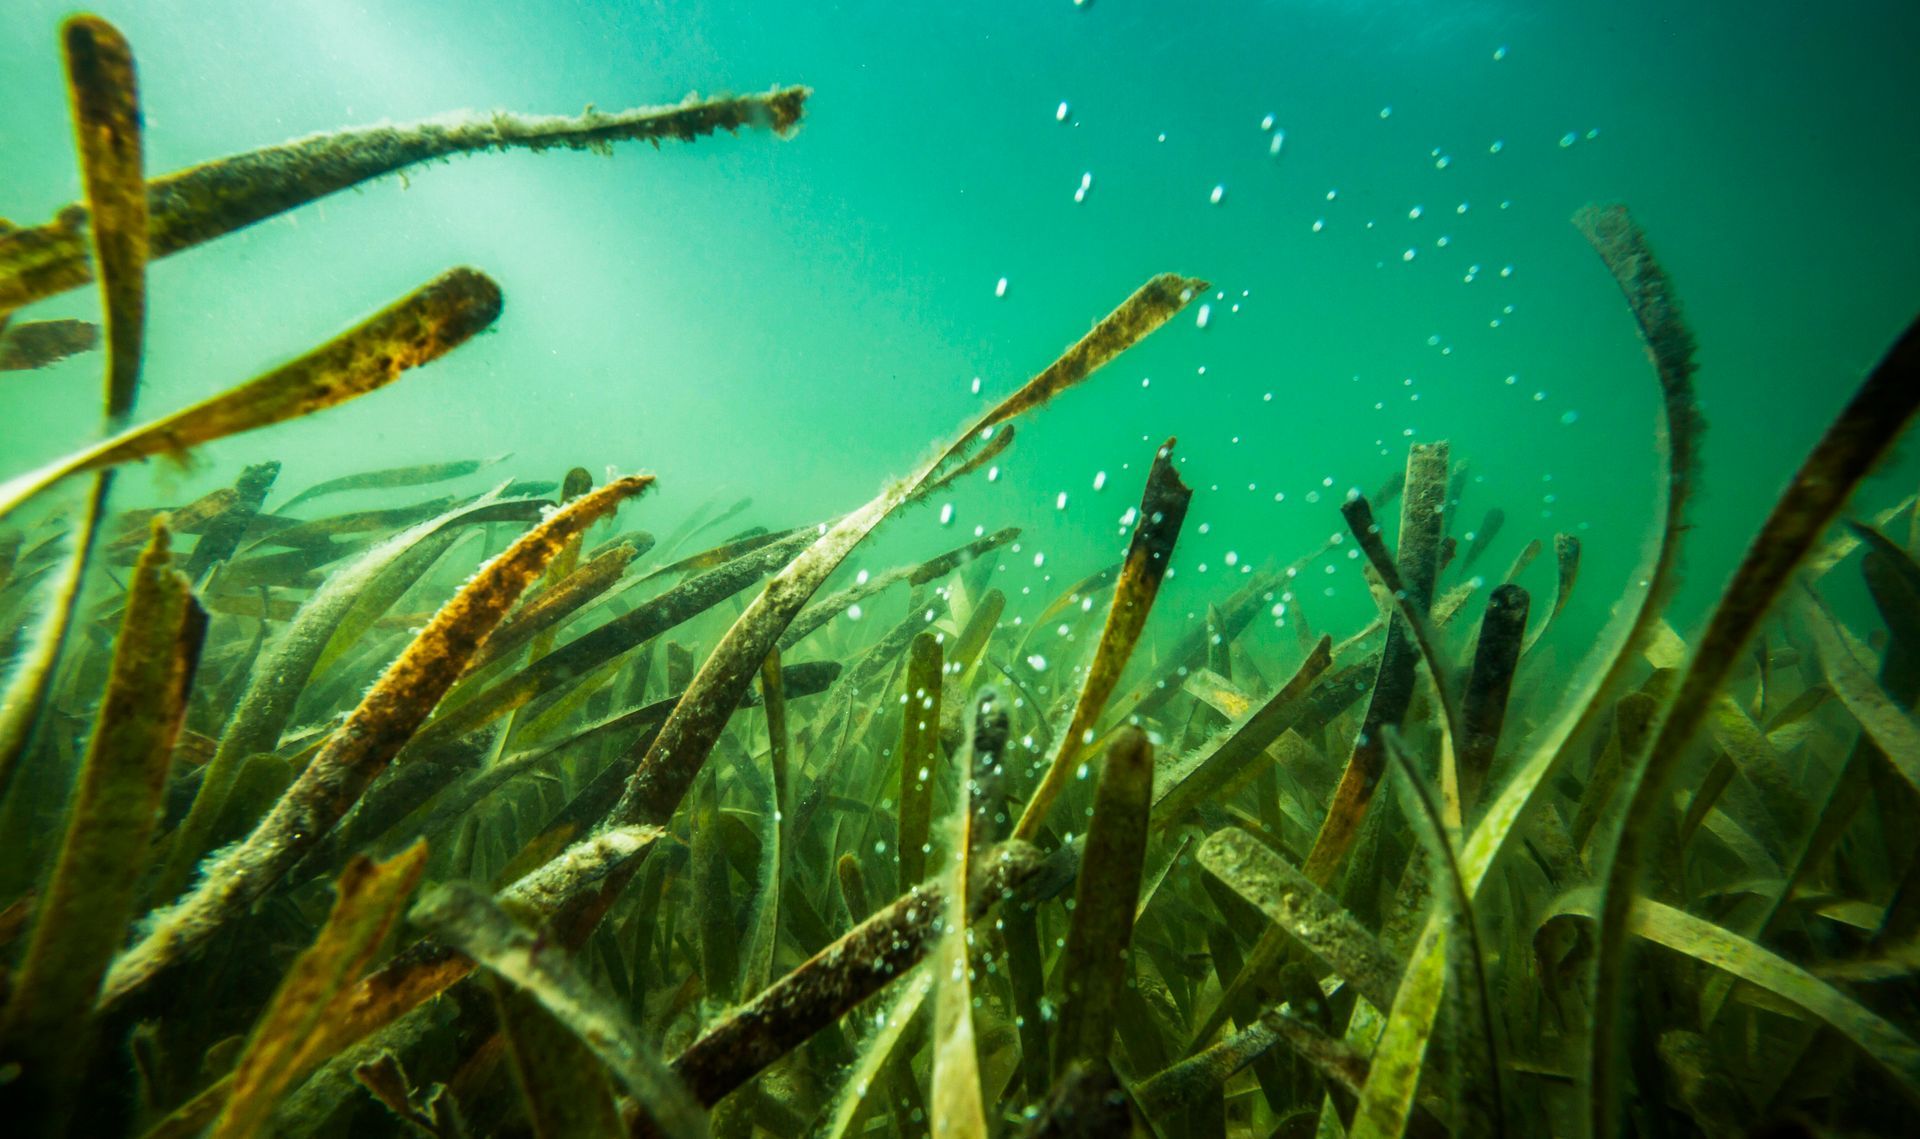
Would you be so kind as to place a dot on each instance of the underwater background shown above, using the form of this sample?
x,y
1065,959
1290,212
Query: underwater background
x,y
793,322
665,701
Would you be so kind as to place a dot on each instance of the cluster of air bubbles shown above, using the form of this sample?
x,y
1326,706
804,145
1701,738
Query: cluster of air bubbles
x,y
1086,183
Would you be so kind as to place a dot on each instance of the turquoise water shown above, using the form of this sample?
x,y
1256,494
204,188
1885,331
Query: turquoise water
x,y
796,320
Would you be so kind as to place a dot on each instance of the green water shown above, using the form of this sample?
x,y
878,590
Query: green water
x,y
795,321
1379,195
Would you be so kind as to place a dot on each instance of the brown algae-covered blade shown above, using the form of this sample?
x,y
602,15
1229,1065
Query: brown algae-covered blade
x,y
273,690
556,603
1852,446
90,899
1293,902
1163,508
1095,962
373,733
424,325
463,916
213,199
285,1042
105,100
37,343
543,682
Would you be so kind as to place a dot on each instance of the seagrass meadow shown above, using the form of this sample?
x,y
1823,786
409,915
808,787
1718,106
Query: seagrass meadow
x,y
391,784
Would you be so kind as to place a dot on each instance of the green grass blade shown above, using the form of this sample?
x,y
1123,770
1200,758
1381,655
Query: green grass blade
x,y
90,899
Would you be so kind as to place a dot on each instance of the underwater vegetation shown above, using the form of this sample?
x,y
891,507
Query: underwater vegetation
x,y
496,814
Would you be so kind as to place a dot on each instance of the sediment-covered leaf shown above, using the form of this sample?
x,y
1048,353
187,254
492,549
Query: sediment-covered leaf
x,y
200,203
419,328
375,731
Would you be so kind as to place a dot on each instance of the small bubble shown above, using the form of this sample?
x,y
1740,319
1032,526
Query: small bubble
x,y
1000,288
1386,112
1203,317
1061,112
1499,53
1099,480
946,514
1060,501
1569,418
853,612
1409,254
1414,213
1219,192
1037,663
1568,139
1496,147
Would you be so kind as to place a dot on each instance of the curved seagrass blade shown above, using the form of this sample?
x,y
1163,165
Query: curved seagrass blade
x,y
106,126
434,319
1865,430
